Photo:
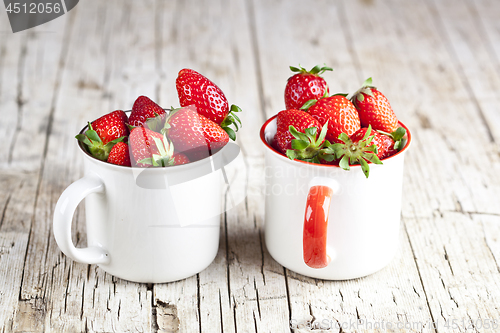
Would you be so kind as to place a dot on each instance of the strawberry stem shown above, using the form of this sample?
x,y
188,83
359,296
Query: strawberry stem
x,y
94,144
360,152
316,70
366,89
165,156
232,119
397,136
307,147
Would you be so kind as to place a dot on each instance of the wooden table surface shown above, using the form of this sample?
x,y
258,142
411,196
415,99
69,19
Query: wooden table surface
x,y
438,61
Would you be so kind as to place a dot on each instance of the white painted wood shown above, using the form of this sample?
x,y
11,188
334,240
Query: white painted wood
x,y
445,183
437,61
93,58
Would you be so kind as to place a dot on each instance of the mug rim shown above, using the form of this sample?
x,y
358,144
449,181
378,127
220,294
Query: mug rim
x,y
280,155
124,167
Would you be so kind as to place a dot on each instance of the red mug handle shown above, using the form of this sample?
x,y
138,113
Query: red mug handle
x,y
316,224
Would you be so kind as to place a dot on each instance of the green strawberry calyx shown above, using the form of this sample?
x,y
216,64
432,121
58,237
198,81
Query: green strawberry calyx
x,y
232,119
366,89
398,136
360,152
313,101
95,145
316,70
307,147
166,152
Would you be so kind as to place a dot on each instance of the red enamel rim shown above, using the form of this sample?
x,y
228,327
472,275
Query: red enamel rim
x,y
263,138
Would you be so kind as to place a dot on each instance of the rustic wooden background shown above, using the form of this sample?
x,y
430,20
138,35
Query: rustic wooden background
x,y
438,61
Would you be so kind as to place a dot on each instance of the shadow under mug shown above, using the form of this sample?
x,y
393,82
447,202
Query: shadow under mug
x,y
325,222
146,224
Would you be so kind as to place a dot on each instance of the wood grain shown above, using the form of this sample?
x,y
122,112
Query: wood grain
x,y
438,62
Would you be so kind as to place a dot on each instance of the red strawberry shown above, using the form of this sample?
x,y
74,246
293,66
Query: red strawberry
x,y
304,86
193,134
144,109
119,154
340,113
195,89
111,126
104,132
333,162
374,108
296,118
150,148
180,158
301,137
383,142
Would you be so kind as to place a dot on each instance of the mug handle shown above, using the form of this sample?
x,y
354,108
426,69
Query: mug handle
x,y
63,216
316,213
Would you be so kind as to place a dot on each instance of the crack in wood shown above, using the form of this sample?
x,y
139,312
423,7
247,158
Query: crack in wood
x,y
418,270
255,322
288,299
262,256
82,309
448,260
257,297
221,313
234,315
198,300
5,209
68,279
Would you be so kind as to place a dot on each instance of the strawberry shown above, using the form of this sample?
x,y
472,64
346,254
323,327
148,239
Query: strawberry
x,y
144,109
296,118
297,136
395,140
195,89
374,108
193,134
104,132
111,126
383,142
304,86
332,162
180,158
119,154
340,113
150,148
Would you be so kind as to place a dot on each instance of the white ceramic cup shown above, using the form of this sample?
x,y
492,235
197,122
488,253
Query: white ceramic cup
x,y
146,224
325,222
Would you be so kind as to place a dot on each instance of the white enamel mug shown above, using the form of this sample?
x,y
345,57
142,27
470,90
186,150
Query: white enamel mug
x,y
325,222
147,224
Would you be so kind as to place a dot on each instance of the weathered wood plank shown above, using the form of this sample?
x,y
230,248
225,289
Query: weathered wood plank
x,y
461,28
435,61
439,195
473,51
26,59
60,294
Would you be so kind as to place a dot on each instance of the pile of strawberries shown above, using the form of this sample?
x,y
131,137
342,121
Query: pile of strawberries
x,y
332,129
153,136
